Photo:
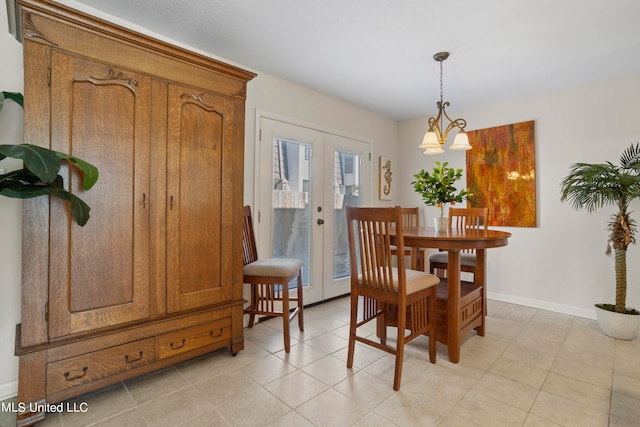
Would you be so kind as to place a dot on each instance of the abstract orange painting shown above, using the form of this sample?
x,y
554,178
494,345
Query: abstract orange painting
x,y
501,173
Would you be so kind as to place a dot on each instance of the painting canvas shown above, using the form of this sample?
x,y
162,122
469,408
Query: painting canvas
x,y
501,173
385,178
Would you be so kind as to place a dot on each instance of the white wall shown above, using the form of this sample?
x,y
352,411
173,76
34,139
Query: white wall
x,y
560,264
285,99
11,118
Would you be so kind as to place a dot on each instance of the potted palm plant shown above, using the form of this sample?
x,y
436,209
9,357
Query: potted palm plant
x,y
437,189
39,176
592,186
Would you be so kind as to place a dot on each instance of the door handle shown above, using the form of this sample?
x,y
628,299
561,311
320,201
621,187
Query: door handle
x,y
320,221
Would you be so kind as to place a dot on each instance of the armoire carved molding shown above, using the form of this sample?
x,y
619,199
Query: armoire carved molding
x,y
155,277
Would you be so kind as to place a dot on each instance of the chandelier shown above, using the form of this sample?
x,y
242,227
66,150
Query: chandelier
x,y
437,134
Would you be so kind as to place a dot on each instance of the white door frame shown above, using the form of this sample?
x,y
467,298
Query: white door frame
x,y
264,246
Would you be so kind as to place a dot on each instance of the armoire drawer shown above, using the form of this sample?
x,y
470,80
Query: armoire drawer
x,y
184,340
99,364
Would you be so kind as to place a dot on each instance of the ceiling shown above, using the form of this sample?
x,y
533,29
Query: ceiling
x,y
378,54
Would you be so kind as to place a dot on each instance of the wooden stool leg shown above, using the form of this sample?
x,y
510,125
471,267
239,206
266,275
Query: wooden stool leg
x,y
397,377
432,316
253,303
352,330
300,303
285,315
381,324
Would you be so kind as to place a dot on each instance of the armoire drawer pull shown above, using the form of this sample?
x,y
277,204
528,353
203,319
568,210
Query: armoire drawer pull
x,y
132,360
175,346
194,338
68,377
69,373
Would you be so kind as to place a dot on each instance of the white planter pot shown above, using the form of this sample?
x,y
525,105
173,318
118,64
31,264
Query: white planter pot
x,y
618,325
440,224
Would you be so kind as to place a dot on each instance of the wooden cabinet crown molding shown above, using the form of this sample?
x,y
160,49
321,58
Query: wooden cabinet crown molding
x,y
85,22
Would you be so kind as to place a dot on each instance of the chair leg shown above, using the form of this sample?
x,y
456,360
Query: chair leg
x,y
352,329
381,325
436,271
480,330
432,316
421,261
253,303
300,303
402,319
285,315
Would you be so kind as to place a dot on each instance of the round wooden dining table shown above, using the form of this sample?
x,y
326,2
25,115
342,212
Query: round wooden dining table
x,y
461,305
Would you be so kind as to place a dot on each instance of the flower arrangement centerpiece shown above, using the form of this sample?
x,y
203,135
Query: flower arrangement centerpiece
x,y
437,187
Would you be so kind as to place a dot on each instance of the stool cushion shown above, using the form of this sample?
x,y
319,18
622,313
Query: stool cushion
x,y
274,267
416,280
443,257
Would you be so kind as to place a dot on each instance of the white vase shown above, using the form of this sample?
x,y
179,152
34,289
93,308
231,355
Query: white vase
x,y
440,224
618,325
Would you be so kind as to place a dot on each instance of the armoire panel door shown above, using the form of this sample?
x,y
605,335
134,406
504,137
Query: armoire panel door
x,y
99,273
200,132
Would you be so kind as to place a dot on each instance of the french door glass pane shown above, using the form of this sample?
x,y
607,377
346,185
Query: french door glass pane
x,y
346,182
291,216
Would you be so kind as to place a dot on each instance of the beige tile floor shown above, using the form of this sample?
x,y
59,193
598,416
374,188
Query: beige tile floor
x,y
533,368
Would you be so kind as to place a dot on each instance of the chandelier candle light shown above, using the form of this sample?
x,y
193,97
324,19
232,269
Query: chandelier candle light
x,y
435,137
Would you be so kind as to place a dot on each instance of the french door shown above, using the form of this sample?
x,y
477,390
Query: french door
x,y
306,178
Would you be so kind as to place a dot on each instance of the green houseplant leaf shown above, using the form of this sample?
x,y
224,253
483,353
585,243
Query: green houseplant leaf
x,y
22,184
41,162
39,176
15,96
89,172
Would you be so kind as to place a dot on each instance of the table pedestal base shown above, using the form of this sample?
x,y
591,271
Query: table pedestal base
x,y
471,315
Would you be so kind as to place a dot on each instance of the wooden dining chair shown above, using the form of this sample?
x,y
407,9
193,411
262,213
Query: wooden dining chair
x,y
460,218
411,218
269,280
380,289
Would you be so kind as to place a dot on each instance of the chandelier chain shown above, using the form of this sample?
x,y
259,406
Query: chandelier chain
x,y
441,86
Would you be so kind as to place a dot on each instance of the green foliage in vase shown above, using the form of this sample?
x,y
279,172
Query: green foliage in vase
x,y
437,187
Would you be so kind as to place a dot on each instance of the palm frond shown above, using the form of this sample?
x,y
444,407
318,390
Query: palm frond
x,y
591,186
630,158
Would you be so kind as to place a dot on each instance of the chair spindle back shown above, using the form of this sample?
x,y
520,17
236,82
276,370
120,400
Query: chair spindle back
x,y
468,218
369,234
249,249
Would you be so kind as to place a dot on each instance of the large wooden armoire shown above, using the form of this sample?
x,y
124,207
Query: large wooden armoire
x,y
155,277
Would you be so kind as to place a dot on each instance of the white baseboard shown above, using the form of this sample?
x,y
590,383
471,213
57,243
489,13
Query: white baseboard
x,y
544,305
8,390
